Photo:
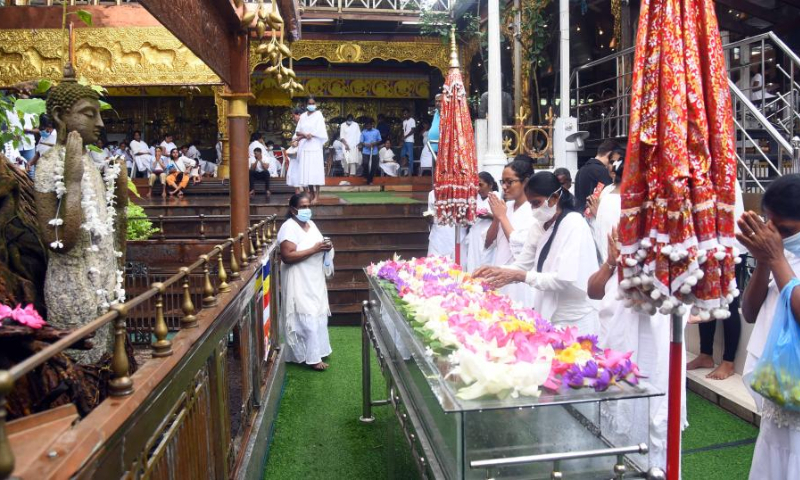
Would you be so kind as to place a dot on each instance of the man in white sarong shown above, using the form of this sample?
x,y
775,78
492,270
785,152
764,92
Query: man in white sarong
x,y
388,164
350,135
311,134
142,158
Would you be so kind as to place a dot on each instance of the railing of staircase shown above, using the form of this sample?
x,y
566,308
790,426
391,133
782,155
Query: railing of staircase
x,y
535,141
377,6
194,296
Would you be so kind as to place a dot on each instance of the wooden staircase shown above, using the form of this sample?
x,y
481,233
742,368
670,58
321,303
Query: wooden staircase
x,y
361,234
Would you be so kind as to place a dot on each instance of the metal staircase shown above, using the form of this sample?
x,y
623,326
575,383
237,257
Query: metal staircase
x,y
767,124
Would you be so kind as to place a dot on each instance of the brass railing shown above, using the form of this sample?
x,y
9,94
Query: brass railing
x,y
536,141
241,250
201,222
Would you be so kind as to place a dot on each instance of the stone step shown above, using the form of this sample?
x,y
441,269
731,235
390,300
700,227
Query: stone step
x,y
342,211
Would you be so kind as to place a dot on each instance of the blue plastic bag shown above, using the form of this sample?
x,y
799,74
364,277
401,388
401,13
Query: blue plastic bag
x,y
777,374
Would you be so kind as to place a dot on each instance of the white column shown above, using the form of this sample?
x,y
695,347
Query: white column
x,y
495,159
565,153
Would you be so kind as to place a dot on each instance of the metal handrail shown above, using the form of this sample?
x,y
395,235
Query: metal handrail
x,y
121,383
760,117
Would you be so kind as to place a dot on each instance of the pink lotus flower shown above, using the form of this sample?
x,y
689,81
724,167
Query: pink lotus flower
x,y
27,316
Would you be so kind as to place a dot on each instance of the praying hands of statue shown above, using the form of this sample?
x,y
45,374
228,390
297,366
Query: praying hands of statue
x,y
64,237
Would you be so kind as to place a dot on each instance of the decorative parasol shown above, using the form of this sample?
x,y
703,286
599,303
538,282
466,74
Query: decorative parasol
x,y
456,177
677,224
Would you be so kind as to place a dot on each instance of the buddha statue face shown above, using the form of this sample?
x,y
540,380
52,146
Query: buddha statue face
x,y
75,107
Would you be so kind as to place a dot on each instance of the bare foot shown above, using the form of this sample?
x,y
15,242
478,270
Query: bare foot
x,y
321,366
702,361
722,372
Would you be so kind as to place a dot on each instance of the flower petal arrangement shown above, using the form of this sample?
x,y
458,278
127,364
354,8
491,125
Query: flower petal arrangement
x,y
27,316
496,347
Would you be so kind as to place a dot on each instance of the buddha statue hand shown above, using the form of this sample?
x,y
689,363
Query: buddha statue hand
x,y
73,161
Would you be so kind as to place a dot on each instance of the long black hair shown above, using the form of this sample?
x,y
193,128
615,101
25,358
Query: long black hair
x,y
618,167
294,203
783,197
489,180
546,184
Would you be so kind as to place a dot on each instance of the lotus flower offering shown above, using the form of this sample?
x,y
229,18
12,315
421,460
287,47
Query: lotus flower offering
x,y
495,347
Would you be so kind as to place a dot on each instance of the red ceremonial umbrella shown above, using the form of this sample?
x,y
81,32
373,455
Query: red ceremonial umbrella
x,y
456,178
677,223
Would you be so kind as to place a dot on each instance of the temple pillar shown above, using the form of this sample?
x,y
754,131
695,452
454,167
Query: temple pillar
x,y
495,158
223,171
238,136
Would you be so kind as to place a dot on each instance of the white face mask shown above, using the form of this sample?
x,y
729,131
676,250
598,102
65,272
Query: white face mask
x,y
545,212
792,244
349,122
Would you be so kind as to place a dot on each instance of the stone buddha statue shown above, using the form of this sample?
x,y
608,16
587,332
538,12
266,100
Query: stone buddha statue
x,y
81,213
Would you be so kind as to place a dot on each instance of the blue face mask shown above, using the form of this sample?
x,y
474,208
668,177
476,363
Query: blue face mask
x,y
792,244
45,133
303,214
312,108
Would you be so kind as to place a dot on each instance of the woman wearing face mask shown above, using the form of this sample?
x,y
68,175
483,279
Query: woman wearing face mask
x,y
311,134
477,253
775,245
510,224
559,262
303,290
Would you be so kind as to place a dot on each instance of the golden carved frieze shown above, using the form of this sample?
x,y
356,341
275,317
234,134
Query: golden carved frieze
x,y
124,56
430,51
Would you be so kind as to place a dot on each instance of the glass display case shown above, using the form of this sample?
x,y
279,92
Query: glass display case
x,y
580,434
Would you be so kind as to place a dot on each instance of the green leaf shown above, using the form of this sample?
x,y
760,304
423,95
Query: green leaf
x,y
94,148
105,106
35,106
85,17
132,188
99,89
43,86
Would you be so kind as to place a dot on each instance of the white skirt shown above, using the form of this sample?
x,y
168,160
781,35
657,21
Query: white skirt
x,y
777,454
426,158
307,338
390,168
293,173
312,168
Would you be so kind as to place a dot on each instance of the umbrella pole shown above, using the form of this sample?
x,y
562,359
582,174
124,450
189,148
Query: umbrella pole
x,y
674,401
458,244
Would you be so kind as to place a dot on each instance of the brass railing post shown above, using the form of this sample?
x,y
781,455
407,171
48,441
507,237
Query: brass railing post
x,y
234,263
161,227
257,231
243,251
202,227
189,320
222,275
251,249
161,347
273,227
121,384
264,235
209,300
6,454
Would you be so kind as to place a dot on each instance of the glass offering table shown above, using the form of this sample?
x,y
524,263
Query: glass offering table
x,y
569,434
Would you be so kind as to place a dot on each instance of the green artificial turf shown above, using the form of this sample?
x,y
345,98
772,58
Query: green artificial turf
x,y
318,435
375,198
717,444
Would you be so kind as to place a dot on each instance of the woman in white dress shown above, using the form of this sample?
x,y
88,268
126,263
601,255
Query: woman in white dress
x,y
511,221
442,238
556,263
624,329
777,453
304,294
312,135
477,253
388,165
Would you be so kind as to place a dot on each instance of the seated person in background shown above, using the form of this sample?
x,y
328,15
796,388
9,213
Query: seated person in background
x,y
273,164
192,164
47,140
388,163
178,173
206,168
158,171
259,171
338,154
99,158
122,151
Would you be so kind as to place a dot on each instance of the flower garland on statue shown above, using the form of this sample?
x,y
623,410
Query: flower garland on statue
x,y
487,343
93,223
